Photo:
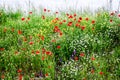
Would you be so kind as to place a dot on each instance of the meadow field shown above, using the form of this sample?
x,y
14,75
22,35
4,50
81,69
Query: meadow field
x,y
59,45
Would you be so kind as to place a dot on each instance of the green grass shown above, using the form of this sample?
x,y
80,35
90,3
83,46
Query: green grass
x,y
84,47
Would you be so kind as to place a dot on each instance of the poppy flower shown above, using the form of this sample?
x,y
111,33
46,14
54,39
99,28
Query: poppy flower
x,y
86,19
60,33
67,14
19,70
64,20
74,15
118,15
80,18
19,32
43,58
42,38
43,17
46,75
82,54
56,29
30,12
93,28
48,10
76,58
93,22
56,12
28,18
60,23
32,51
12,29
92,58
2,49
58,47
69,24
23,19
101,73
83,27
70,16
92,71
31,43
43,50
77,25
37,52
3,76
4,30
111,20
48,53
20,77
45,10
112,13
53,40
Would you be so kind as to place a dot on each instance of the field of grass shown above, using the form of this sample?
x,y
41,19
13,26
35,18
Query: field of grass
x,y
67,46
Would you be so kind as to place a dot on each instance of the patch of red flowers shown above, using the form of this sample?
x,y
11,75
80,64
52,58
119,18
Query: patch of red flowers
x,y
82,27
37,52
69,24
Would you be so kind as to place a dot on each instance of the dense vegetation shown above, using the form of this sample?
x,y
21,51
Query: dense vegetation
x,y
67,46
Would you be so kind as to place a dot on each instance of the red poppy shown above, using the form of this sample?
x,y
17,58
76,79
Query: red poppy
x,y
86,19
2,49
80,18
92,58
64,20
76,58
112,13
31,43
20,77
101,73
70,16
37,52
28,18
77,25
67,14
60,33
23,19
46,75
58,47
45,10
19,70
111,20
43,58
42,37
118,15
30,12
93,28
93,21
56,29
4,30
53,40
43,50
48,53
19,32
75,15
60,23
3,76
82,54
56,12
32,51
83,27
12,29
69,24
43,17
48,10
92,71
